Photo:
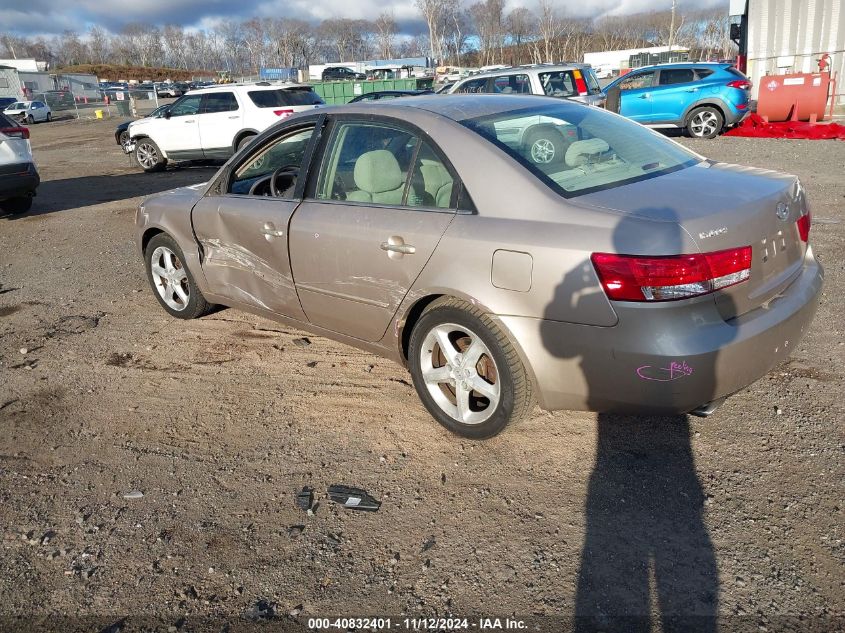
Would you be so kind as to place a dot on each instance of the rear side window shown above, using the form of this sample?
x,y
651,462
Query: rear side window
x,y
669,76
559,84
218,102
281,98
473,86
701,73
512,84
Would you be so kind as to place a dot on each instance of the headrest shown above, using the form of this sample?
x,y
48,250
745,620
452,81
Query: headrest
x,y
580,151
378,171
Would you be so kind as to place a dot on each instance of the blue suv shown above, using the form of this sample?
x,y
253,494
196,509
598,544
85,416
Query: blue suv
x,y
701,98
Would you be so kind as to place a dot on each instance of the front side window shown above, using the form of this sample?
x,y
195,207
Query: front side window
x,y
669,76
186,106
219,102
280,160
637,81
576,150
473,86
558,84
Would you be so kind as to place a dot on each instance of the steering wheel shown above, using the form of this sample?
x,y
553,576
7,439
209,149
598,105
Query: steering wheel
x,y
292,170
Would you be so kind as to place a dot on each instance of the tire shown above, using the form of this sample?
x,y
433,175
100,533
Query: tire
x,y
49,117
171,281
246,140
544,146
14,206
29,119
706,122
508,398
123,138
148,155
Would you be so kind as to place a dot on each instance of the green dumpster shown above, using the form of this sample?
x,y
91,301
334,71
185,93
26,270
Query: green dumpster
x,y
123,108
338,92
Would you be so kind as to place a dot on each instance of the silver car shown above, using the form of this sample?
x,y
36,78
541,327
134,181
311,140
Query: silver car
x,y
624,273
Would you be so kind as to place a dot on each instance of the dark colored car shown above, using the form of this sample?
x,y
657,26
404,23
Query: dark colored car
x,y
389,94
6,101
702,98
341,72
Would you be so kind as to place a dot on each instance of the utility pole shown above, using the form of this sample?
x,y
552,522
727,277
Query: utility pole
x,y
672,27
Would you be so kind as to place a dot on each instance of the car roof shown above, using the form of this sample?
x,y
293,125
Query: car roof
x,y
539,67
683,65
456,107
255,85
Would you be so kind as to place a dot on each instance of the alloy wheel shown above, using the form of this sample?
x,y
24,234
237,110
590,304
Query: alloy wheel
x,y
704,123
147,155
170,278
543,151
460,373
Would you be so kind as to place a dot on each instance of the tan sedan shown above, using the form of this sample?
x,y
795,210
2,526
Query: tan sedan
x,y
505,249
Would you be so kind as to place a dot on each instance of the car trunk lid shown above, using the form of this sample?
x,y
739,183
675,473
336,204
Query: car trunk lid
x,y
724,207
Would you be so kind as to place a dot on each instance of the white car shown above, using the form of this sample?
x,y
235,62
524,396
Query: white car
x,y
18,175
29,111
215,122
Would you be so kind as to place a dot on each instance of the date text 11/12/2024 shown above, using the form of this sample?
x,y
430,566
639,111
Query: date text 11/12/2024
x,y
416,624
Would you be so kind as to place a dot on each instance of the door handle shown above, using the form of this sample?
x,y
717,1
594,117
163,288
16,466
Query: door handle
x,y
645,95
190,121
405,249
692,89
235,117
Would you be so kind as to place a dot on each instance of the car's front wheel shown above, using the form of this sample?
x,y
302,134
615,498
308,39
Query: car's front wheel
x,y
466,371
544,146
172,282
13,206
149,155
704,122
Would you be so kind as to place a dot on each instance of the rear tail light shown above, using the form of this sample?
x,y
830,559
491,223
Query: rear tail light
x,y
580,84
804,223
283,113
15,132
667,278
742,84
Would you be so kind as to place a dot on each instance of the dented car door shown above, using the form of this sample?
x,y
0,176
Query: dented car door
x,y
243,231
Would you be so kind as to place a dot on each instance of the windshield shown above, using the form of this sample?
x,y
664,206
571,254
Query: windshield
x,y
16,106
576,149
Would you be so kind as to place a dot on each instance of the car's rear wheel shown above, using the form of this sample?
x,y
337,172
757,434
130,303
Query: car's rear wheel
x,y
704,122
466,371
29,119
149,155
544,146
172,282
246,140
49,117
21,204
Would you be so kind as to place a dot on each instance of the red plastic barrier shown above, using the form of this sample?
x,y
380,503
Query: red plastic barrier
x,y
754,126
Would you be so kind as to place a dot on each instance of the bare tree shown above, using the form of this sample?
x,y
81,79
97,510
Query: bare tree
x,y
433,12
549,27
386,29
520,25
98,45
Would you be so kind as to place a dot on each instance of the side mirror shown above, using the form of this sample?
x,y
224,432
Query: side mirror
x,y
167,114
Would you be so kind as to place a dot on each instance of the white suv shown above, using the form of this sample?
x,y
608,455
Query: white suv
x,y
215,122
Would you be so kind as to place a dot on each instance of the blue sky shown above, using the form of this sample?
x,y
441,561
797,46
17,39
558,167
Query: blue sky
x,y
47,17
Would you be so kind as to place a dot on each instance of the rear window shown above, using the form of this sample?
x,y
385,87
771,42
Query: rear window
x,y
592,81
6,122
284,97
576,150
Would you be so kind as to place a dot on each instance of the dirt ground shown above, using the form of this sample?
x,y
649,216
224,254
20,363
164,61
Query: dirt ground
x,y
733,522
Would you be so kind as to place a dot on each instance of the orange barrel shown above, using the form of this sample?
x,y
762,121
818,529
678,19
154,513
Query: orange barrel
x,y
798,96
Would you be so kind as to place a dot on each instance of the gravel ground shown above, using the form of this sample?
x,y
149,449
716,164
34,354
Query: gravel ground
x,y
217,422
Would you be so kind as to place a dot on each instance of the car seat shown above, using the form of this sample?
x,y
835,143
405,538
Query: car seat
x,y
378,177
438,182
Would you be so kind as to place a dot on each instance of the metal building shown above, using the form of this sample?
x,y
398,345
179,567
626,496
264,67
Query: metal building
x,y
790,36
